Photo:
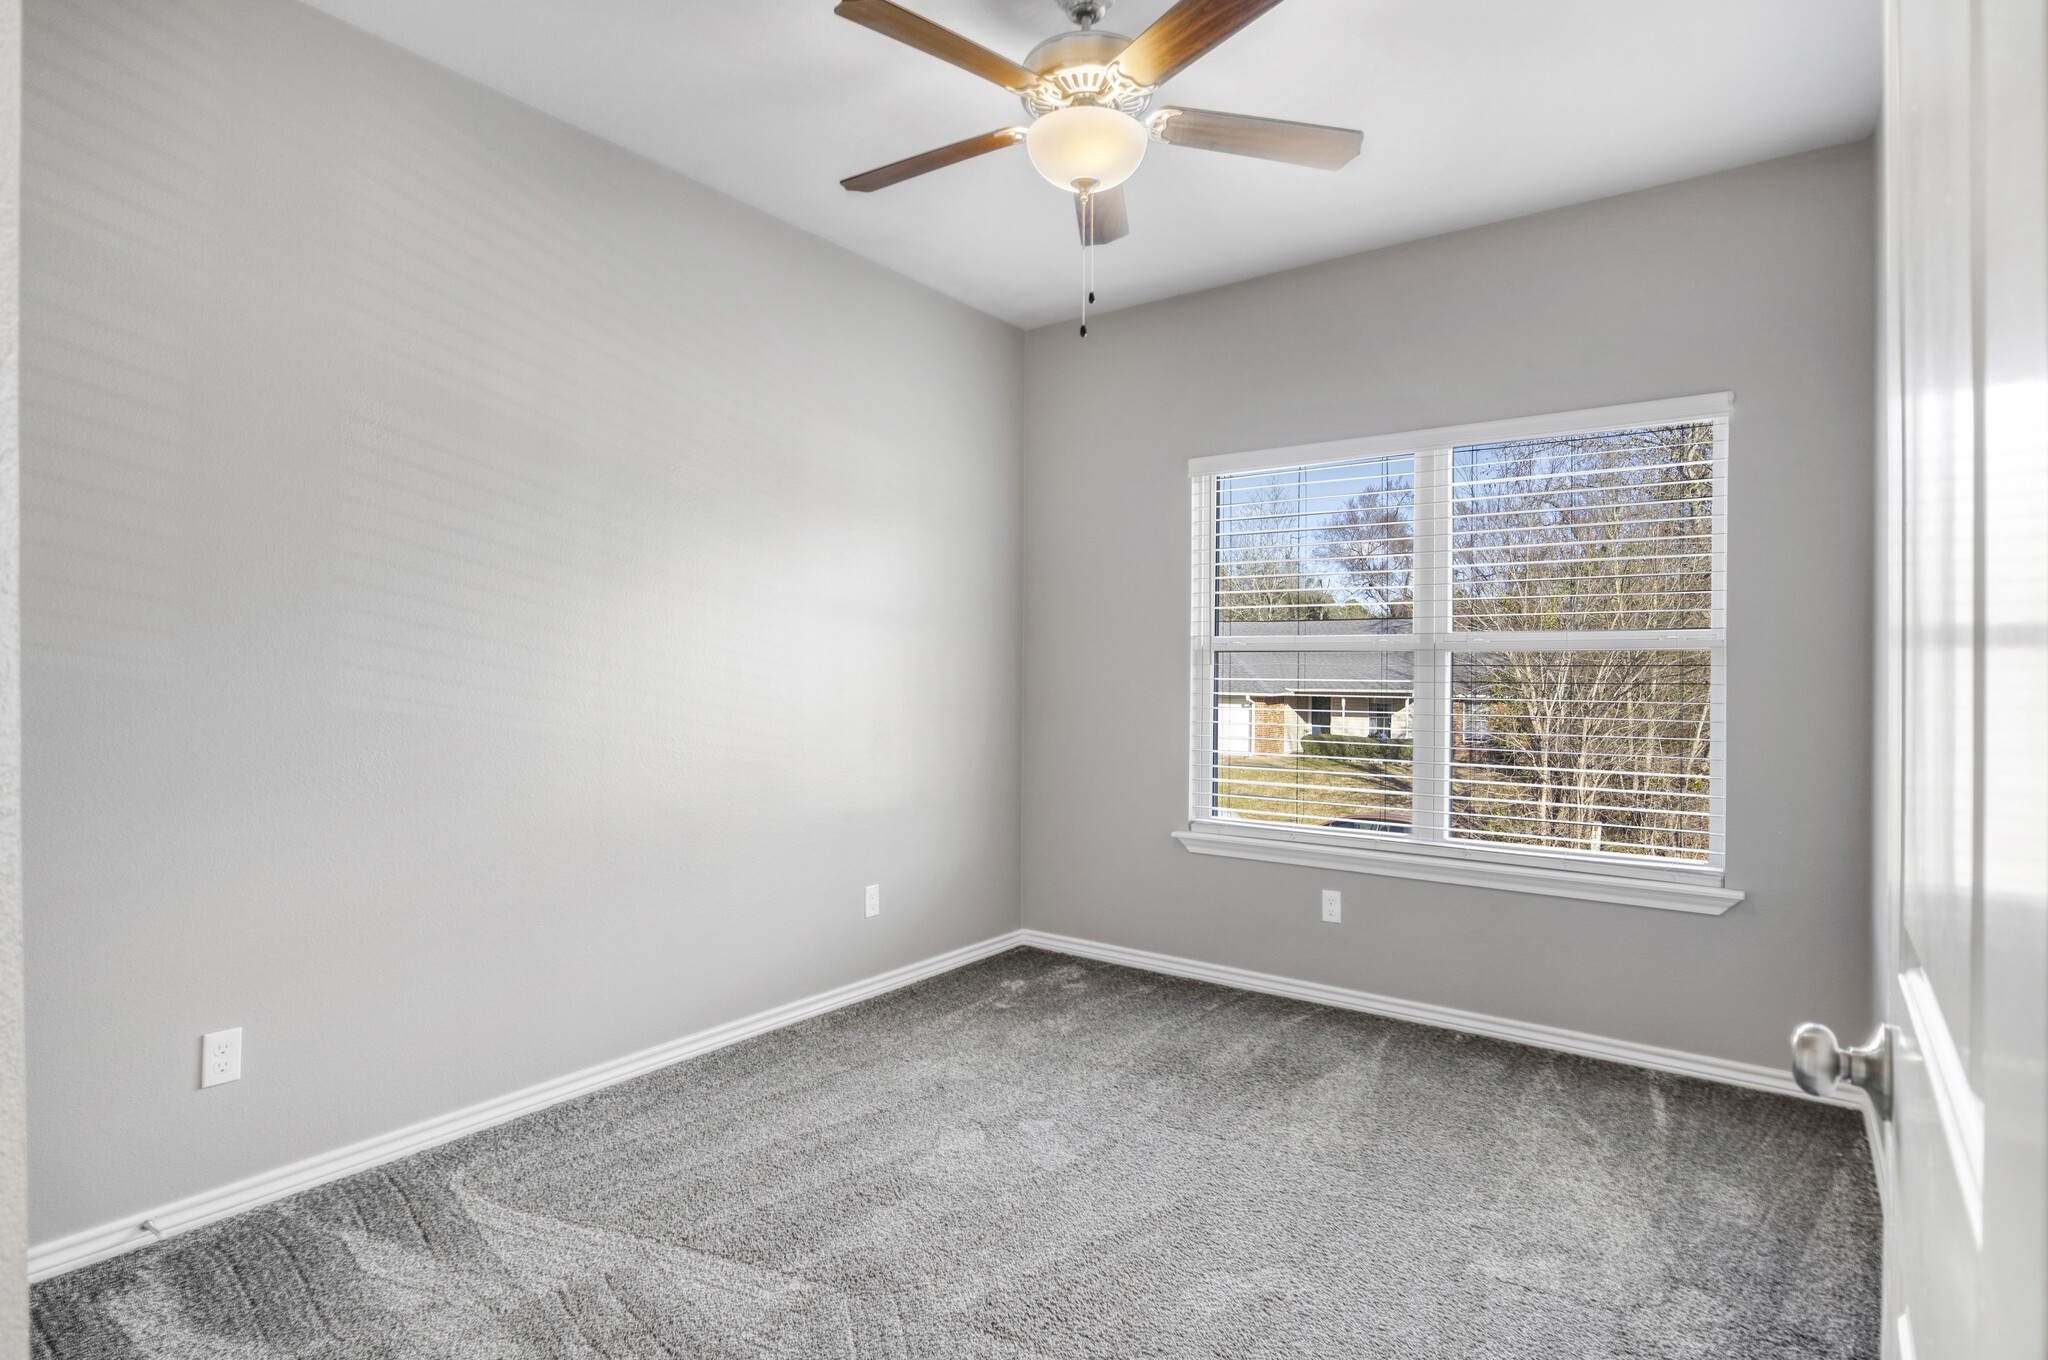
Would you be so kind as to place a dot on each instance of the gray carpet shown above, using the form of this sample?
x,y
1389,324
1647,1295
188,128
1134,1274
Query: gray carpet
x,y
1043,1157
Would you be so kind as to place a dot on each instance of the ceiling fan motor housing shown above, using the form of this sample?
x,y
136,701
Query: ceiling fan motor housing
x,y
1077,70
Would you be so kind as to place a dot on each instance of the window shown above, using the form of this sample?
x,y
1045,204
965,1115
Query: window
x,y
1494,645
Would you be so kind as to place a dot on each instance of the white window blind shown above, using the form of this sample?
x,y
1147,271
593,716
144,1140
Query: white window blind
x,y
1511,645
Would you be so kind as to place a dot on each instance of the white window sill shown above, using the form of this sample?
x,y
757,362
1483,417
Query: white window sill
x,y
1701,893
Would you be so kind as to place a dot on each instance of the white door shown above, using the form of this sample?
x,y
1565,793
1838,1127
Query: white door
x,y
1963,751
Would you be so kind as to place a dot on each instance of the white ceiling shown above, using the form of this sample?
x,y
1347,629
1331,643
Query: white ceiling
x,y
1473,111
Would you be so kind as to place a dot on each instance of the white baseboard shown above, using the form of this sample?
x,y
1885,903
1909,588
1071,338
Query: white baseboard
x,y
112,1239
1757,1078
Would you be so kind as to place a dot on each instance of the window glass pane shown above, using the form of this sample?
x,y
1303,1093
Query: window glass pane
x,y
1582,750
1324,549
1606,531
1314,739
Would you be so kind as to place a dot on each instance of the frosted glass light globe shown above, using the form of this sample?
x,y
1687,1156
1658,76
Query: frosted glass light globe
x,y
1086,141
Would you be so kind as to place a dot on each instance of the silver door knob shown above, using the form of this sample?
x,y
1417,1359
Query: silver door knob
x,y
1820,1065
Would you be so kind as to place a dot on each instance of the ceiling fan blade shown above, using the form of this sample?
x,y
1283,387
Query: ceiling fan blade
x,y
1112,222
894,21
1184,33
925,162
1273,139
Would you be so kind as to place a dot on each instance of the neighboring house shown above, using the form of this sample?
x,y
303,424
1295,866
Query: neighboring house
x,y
1249,724
1267,703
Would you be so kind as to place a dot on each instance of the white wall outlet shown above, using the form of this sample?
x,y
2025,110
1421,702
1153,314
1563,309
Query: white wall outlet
x,y
220,1057
874,899
1333,905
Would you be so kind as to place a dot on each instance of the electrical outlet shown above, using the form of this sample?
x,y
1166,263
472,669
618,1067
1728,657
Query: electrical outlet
x,y
220,1057
874,899
1333,905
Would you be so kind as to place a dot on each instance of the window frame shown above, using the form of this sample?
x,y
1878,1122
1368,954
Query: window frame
x,y
1428,852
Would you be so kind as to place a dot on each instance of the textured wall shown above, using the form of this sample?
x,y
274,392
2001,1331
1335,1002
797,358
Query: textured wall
x,y
13,1128
490,603
1761,281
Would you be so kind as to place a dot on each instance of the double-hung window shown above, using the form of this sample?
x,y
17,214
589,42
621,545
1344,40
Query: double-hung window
x,y
1490,655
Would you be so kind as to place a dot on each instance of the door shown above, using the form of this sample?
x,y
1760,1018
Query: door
x,y
1963,750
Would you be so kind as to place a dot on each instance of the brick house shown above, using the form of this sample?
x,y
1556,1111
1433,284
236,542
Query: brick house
x,y
1267,703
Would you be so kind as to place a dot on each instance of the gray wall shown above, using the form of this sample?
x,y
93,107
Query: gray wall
x,y
490,603
13,1076
1760,281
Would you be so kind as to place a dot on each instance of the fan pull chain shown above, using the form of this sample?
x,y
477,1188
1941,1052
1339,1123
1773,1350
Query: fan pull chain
x,y
1087,191
1087,257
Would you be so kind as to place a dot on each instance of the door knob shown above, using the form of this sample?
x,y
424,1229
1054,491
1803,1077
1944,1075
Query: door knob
x,y
1819,1064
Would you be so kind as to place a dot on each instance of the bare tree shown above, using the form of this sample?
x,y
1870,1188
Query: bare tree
x,y
1609,531
1260,574
1589,750
1603,750
1606,749
1370,547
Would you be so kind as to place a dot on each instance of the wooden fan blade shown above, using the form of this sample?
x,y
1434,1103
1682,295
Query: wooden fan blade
x,y
1183,34
1272,139
911,167
894,21
1112,221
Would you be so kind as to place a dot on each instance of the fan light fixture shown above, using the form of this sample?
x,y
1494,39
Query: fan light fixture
x,y
1086,146
1086,91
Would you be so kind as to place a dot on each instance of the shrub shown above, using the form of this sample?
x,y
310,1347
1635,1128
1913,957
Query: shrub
x,y
1335,746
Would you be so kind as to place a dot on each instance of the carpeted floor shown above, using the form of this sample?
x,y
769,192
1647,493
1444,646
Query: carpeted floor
x,y
1044,1157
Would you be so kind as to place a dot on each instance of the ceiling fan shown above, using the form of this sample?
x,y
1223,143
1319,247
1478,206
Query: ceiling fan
x,y
1089,93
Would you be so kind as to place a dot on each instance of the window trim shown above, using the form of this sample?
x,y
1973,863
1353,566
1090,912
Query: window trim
x,y
1698,886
